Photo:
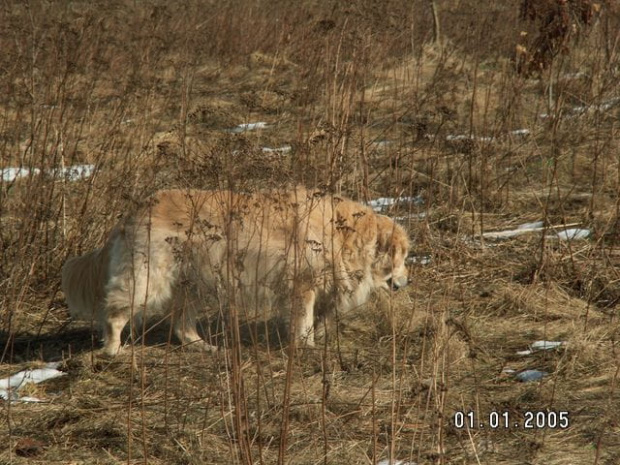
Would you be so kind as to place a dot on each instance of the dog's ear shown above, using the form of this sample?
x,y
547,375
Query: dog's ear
x,y
391,236
386,228
365,224
356,224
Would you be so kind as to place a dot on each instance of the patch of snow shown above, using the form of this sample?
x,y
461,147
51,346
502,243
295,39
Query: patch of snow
x,y
573,76
573,234
509,233
395,462
382,143
606,105
71,173
9,386
419,259
580,109
530,226
11,174
520,132
412,216
383,203
547,345
74,172
248,127
541,345
538,226
586,109
462,137
29,400
283,149
527,376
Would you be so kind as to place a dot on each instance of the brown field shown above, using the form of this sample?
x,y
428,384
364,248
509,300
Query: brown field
x,y
360,98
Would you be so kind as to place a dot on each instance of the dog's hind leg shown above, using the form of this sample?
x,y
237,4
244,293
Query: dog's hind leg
x,y
139,283
112,328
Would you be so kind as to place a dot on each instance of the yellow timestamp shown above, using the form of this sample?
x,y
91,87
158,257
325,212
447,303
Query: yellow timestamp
x,y
498,420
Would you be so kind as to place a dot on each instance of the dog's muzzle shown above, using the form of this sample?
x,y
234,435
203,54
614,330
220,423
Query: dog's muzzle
x,y
397,283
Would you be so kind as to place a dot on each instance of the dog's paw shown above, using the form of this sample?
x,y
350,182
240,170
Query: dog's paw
x,y
201,346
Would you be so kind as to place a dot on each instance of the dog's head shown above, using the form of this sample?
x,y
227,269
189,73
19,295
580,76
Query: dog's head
x,y
390,268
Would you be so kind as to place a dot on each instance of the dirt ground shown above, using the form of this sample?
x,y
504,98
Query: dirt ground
x,y
495,126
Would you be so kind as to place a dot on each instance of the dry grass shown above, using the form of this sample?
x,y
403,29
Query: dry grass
x,y
370,107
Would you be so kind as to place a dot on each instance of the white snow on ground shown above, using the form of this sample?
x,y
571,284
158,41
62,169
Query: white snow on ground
x,y
555,232
520,230
411,216
247,127
541,345
395,462
462,137
383,203
521,132
419,260
606,105
573,234
587,109
573,76
485,139
530,226
527,376
11,174
283,149
71,173
381,143
74,172
10,386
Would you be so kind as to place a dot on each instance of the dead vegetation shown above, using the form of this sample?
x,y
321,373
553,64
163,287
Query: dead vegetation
x,y
356,98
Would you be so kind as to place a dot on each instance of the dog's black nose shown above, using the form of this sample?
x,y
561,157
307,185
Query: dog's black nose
x,y
396,284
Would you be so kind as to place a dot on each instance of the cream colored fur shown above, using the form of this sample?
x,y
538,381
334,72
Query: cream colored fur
x,y
188,250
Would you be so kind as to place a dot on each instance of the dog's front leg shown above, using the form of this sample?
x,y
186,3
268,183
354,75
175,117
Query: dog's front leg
x,y
305,324
185,330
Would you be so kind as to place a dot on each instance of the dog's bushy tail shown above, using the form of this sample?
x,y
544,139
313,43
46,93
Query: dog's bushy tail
x,y
84,279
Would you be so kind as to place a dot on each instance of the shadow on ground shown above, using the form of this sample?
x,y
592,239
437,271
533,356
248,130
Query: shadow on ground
x,y
78,337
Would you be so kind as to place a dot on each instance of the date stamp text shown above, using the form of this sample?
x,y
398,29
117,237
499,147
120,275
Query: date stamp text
x,y
498,420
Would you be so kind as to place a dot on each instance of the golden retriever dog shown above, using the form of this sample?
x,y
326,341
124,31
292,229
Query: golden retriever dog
x,y
300,252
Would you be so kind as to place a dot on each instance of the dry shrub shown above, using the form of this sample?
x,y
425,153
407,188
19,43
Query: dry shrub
x,y
367,105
